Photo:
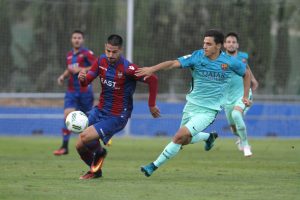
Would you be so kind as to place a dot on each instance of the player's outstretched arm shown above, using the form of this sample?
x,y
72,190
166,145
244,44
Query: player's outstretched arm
x,y
247,80
148,71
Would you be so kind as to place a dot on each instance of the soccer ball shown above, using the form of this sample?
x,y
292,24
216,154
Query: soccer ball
x,y
77,121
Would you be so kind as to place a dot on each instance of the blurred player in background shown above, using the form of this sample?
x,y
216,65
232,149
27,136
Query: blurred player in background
x,y
235,109
211,71
118,83
77,97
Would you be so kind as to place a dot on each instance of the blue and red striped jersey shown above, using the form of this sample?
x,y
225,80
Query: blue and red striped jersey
x,y
83,58
118,83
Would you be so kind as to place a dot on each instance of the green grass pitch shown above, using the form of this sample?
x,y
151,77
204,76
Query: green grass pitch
x,y
28,170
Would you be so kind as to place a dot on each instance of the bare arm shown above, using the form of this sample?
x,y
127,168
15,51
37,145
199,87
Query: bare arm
x,y
62,77
254,82
247,80
167,65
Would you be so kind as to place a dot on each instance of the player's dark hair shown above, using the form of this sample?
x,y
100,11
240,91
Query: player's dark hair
x,y
232,34
79,32
115,40
217,35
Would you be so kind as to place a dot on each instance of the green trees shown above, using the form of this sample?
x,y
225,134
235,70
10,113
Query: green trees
x,y
7,66
35,36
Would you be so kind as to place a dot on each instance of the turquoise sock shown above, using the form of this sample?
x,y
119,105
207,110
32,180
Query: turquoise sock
x,y
202,136
237,117
169,152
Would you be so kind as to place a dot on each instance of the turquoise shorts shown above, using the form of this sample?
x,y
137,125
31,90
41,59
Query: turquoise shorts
x,y
197,118
229,108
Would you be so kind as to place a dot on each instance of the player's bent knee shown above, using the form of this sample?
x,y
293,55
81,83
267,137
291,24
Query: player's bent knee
x,y
238,109
89,135
183,136
236,115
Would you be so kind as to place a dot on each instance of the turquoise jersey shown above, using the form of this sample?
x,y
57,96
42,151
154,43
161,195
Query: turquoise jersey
x,y
210,78
236,85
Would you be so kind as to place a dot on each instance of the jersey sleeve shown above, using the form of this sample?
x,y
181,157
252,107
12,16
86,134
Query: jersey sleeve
x,y
90,57
152,82
238,67
244,57
92,73
188,60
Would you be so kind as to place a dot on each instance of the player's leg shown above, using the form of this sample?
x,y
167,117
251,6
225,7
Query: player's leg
x,y
209,138
98,152
195,125
104,127
237,115
69,106
85,104
87,144
228,112
86,151
183,136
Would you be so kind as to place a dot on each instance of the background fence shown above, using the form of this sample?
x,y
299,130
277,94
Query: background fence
x,y
35,36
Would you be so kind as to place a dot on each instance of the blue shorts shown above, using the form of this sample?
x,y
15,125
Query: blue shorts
x,y
106,125
82,101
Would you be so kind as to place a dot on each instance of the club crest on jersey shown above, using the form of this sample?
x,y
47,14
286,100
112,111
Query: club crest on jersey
x,y
131,67
244,60
224,66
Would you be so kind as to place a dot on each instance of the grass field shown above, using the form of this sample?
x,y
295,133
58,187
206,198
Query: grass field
x,y
30,171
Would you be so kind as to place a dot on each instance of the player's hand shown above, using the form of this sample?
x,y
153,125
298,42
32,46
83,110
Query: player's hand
x,y
145,71
155,112
246,101
82,75
254,85
60,80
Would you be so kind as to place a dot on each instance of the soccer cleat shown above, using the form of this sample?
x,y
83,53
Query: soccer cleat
x,y
148,169
247,151
239,145
91,175
61,151
209,143
98,161
109,143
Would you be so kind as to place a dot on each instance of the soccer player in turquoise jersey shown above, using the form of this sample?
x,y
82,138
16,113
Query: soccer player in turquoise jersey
x,y
211,71
235,109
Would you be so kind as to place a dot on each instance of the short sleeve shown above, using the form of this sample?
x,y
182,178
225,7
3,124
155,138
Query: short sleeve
x,y
238,67
91,58
189,60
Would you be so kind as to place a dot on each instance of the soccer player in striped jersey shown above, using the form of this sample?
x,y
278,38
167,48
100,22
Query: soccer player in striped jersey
x,y
211,71
77,97
118,83
235,109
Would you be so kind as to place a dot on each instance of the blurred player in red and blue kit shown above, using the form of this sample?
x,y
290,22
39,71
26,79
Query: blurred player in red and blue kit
x,y
77,97
118,83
